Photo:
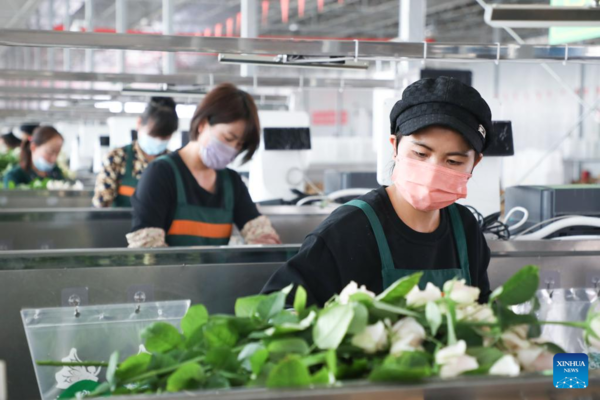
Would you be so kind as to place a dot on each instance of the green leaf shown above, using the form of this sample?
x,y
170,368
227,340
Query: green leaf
x,y
467,332
362,298
508,318
194,319
278,349
354,370
394,310
222,358
360,320
399,289
289,327
161,337
217,381
321,377
450,322
219,333
289,373
332,325
187,377
434,317
258,360
409,367
521,287
272,305
113,363
133,366
160,361
486,358
553,348
331,361
246,306
284,317
85,386
300,299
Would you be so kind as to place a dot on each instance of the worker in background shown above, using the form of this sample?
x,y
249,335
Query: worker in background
x,y
9,142
27,129
438,133
123,167
38,158
189,197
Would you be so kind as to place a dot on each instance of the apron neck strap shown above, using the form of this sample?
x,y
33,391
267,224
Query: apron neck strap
x,y
181,198
461,241
387,262
129,152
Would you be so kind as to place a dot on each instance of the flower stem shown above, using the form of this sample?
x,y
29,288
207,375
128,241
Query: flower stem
x,y
564,323
71,364
161,371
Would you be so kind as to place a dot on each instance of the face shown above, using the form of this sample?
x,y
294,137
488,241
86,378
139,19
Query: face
x,y
232,134
49,150
438,146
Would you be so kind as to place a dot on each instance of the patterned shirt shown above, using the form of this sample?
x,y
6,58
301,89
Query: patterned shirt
x,y
113,170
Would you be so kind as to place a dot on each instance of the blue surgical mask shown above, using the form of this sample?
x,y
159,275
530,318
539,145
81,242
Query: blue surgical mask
x,y
42,165
151,145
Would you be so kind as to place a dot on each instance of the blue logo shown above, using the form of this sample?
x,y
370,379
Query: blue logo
x,y
571,371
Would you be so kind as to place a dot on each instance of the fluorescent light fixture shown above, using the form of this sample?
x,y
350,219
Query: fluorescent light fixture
x,y
112,106
132,107
292,61
540,16
163,93
185,110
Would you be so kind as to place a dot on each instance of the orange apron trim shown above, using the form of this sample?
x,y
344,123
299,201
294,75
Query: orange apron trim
x,y
200,229
126,191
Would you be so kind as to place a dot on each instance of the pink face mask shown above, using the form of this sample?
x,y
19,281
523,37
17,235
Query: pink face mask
x,y
428,187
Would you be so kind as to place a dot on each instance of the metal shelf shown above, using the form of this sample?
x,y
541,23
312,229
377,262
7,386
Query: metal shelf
x,y
314,48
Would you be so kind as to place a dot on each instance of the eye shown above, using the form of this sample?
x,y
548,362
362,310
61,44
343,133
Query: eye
x,y
419,154
455,163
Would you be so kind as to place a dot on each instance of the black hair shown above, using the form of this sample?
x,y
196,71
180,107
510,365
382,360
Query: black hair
x,y
161,117
11,141
29,127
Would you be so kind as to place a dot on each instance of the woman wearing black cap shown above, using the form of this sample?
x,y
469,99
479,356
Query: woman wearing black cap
x,y
438,133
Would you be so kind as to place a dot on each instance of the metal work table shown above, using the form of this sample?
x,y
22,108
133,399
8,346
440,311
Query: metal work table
x,y
88,228
214,277
528,386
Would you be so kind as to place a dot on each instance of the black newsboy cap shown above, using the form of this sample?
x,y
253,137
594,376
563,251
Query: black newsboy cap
x,y
446,102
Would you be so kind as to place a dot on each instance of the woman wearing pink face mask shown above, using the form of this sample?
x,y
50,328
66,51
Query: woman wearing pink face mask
x,y
189,197
438,133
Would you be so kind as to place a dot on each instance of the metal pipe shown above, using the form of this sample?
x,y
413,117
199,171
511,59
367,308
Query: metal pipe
x,y
250,22
89,25
121,26
168,58
67,28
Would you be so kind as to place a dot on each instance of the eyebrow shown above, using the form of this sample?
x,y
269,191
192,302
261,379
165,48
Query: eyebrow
x,y
452,154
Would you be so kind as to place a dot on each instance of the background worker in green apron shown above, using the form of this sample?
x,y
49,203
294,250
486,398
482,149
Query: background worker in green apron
x,y
189,197
438,134
123,167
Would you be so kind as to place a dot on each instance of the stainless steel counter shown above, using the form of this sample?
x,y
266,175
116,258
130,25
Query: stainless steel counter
x,y
85,228
10,199
214,277
529,386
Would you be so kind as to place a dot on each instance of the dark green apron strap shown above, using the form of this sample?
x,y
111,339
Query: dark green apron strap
x,y
227,188
461,241
129,161
181,198
387,263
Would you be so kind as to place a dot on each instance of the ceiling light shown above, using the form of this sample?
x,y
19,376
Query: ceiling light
x,y
132,107
292,61
112,106
540,16
185,110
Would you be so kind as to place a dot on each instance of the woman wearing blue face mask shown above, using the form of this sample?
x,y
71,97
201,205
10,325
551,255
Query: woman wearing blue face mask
x,y
38,158
190,198
123,167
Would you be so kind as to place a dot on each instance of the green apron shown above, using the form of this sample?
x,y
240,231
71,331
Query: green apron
x,y
128,182
201,226
436,276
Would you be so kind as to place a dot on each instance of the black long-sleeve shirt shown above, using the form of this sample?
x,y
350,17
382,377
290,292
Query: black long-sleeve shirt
x,y
343,249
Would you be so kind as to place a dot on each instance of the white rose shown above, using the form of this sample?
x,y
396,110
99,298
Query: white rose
x,y
457,366
477,313
506,366
595,327
461,293
372,339
447,354
407,335
419,298
515,338
535,358
352,288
